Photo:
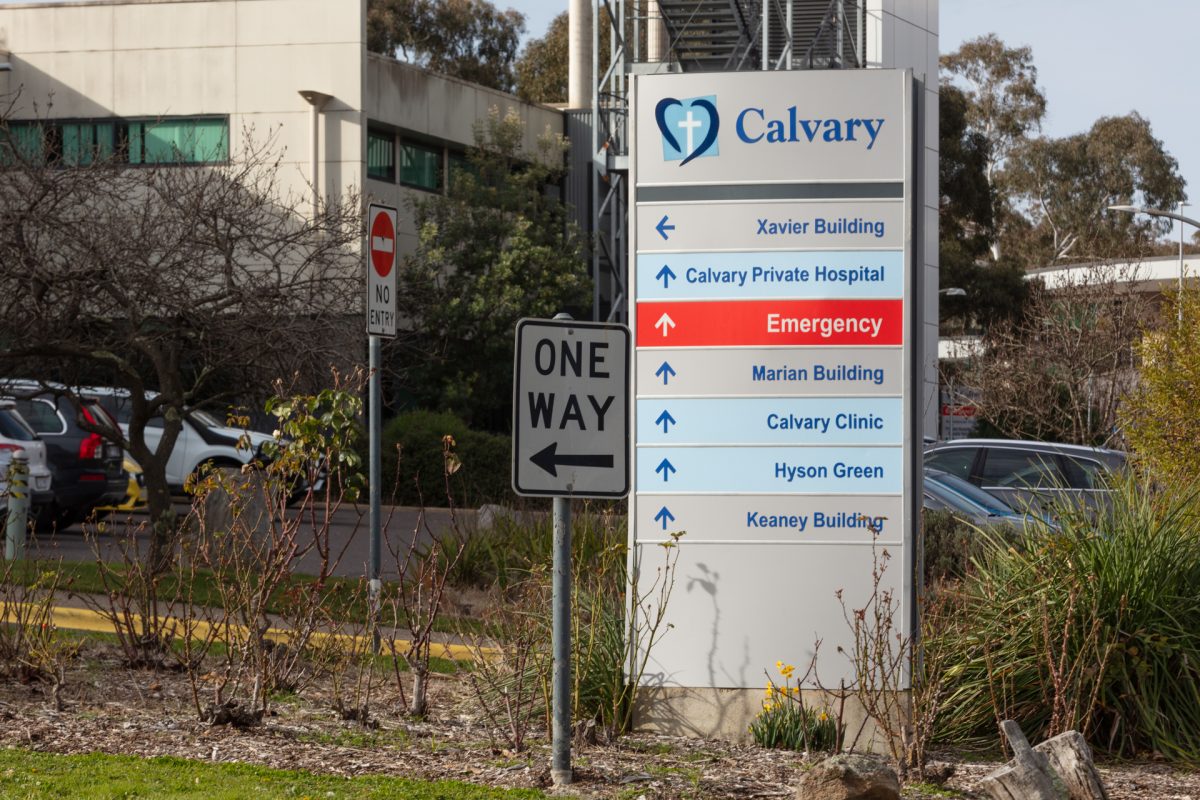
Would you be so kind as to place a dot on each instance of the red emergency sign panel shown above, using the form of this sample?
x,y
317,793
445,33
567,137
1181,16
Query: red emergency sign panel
x,y
770,323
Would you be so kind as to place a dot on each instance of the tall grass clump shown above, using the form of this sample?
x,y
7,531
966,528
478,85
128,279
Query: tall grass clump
x,y
1094,626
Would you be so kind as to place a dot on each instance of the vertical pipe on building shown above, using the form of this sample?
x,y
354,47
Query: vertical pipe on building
x,y
579,71
656,33
791,31
316,102
766,35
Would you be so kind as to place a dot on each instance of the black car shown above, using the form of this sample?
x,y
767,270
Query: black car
x,y
86,466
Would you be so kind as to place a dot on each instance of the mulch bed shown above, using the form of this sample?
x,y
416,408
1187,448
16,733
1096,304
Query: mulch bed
x,y
111,709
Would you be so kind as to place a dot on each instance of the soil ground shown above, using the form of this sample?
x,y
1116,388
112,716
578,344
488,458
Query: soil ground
x,y
110,708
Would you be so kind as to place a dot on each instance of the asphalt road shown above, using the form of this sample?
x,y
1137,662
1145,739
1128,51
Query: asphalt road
x,y
348,535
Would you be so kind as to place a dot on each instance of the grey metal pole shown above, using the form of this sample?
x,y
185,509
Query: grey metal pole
x,y
375,520
560,761
1179,304
18,506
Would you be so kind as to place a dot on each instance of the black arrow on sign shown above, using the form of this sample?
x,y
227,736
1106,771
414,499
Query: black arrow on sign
x,y
548,459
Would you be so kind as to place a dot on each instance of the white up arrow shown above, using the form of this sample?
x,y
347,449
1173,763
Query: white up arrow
x,y
665,322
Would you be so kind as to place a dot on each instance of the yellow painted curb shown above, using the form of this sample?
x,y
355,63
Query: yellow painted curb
x,y
84,619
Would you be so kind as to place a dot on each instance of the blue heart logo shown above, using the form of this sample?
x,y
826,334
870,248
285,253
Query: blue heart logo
x,y
677,120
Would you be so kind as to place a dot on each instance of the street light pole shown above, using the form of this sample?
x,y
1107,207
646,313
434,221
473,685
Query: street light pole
x,y
1155,212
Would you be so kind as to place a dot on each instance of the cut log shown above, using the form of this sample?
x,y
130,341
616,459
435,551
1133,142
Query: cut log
x,y
1070,756
1028,777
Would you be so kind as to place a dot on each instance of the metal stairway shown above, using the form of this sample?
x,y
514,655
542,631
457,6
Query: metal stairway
x,y
711,35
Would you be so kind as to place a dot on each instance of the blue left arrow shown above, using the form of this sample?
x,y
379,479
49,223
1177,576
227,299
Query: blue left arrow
x,y
666,274
665,372
664,516
665,419
666,468
662,227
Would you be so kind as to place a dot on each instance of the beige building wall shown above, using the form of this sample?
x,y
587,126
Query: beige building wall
x,y
248,59
437,110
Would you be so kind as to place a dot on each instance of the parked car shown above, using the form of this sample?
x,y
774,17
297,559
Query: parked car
x,y
135,492
1027,474
16,435
946,492
86,466
203,439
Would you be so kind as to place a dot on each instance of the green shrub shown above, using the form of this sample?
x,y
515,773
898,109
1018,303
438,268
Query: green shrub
x,y
951,544
1095,626
412,461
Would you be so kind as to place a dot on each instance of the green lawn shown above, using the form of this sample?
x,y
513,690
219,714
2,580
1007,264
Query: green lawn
x,y
34,776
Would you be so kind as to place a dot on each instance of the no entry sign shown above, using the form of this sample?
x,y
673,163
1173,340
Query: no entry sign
x,y
381,272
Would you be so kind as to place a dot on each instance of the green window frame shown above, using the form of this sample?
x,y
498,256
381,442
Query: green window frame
x,y
381,155
421,165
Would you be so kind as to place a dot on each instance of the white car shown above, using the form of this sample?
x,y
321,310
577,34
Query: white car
x,y
16,435
203,439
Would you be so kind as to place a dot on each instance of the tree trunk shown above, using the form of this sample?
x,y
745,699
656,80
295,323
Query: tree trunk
x,y
164,524
420,683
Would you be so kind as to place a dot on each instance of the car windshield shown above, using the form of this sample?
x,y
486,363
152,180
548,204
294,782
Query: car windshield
x,y
970,493
204,418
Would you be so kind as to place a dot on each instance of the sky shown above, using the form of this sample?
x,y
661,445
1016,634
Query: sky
x,y
1094,58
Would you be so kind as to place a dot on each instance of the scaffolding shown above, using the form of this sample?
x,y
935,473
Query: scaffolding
x,y
701,36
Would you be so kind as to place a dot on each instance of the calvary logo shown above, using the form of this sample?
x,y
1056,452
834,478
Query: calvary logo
x,y
699,130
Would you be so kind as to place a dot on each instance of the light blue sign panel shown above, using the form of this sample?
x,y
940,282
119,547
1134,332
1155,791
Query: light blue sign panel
x,y
853,274
773,470
763,420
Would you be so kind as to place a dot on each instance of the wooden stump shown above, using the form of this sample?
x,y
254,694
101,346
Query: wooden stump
x,y
1070,756
1028,776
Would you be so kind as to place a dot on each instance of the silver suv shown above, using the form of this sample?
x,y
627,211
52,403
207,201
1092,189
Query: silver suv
x,y
1027,474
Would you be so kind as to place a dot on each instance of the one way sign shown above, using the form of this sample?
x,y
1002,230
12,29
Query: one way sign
x,y
571,409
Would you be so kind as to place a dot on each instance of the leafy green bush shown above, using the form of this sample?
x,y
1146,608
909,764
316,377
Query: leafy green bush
x,y
1095,626
951,543
412,458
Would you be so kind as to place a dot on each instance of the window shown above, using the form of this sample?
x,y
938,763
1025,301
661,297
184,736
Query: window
x,y
76,143
381,155
179,141
421,166
41,415
957,461
1018,469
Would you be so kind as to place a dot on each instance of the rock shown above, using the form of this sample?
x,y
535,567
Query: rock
x,y
849,776
938,772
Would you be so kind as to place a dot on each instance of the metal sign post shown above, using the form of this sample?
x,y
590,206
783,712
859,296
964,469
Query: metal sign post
x,y
381,321
570,439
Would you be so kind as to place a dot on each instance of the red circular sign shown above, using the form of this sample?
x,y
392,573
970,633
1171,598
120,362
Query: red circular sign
x,y
383,243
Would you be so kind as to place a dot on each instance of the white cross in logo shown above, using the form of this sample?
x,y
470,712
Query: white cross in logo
x,y
689,125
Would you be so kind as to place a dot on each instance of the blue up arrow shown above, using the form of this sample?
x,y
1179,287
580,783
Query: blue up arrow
x,y
664,516
665,372
662,227
666,274
665,419
666,468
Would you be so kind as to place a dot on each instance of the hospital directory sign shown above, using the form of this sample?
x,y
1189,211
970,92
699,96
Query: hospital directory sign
x,y
772,282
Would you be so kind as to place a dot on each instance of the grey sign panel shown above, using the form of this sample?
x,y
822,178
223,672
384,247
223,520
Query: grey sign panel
x,y
826,125
824,225
571,409
761,519
733,372
737,609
